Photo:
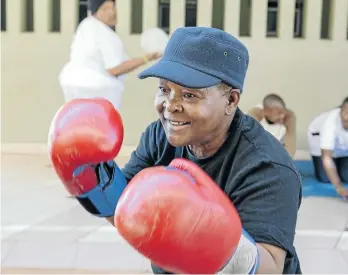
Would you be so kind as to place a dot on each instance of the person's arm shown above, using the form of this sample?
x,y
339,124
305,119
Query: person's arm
x,y
256,113
132,64
330,168
272,259
289,139
270,197
112,51
327,145
141,158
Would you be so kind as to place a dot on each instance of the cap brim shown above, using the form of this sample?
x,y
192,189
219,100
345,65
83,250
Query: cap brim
x,y
180,74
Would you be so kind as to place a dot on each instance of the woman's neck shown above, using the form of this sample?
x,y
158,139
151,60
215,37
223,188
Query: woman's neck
x,y
99,18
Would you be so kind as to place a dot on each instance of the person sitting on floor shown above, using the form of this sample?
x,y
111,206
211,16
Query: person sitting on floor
x,y
277,120
328,145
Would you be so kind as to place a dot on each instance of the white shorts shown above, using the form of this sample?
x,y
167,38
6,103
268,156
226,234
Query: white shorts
x,y
81,82
111,94
314,143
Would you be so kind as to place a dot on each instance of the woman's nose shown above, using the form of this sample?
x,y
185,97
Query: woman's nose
x,y
173,105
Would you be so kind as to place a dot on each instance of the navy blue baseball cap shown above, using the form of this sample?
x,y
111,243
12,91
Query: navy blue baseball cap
x,y
201,57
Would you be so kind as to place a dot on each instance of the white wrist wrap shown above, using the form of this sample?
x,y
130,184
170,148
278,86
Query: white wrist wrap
x,y
246,258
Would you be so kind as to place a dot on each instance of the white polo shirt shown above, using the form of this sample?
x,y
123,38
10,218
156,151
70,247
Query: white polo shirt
x,y
326,132
95,48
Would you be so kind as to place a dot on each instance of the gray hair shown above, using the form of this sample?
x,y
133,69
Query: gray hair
x,y
224,88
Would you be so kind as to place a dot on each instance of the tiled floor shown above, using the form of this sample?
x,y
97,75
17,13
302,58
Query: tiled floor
x,y
44,231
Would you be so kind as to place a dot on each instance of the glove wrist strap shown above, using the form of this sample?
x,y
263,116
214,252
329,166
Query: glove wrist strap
x,y
246,258
103,198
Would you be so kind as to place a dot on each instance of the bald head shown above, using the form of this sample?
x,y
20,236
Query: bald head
x,y
274,108
273,100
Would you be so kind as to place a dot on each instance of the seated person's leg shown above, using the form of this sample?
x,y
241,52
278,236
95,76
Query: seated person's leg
x,y
342,167
319,170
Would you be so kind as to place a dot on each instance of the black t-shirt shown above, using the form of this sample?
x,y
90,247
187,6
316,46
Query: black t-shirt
x,y
252,168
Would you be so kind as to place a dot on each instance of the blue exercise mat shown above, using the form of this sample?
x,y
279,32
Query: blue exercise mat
x,y
310,185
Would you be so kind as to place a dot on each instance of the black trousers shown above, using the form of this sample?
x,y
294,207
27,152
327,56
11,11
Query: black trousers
x,y
341,165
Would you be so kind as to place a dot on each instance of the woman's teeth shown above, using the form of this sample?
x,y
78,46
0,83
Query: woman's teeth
x,y
177,123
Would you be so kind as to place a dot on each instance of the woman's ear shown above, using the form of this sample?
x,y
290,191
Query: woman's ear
x,y
234,96
233,101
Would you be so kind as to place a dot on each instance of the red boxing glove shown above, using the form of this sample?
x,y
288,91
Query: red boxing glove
x,y
83,133
179,218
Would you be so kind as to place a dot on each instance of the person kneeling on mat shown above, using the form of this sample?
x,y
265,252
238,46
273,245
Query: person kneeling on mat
x,y
207,189
277,120
328,145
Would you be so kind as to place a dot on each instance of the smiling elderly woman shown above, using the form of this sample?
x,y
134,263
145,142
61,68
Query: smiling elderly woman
x,y
240,213
201,78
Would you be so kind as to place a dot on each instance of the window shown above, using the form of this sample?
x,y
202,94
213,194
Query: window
x,y
55,16
298,21
272,18
83,10
3,15
273,15
28,18
218,14
245,18
326,19
137,17
164,15
191,13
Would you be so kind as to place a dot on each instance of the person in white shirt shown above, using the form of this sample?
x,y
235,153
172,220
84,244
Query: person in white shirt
x,y
277,120
98,62
328,145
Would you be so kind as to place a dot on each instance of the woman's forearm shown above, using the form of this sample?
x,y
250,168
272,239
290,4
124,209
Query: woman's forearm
x,y
127,66
289,141
256,113
331,171
290,136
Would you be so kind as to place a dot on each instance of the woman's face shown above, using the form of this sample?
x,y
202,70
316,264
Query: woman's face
x,y
108,13
191,116
275,113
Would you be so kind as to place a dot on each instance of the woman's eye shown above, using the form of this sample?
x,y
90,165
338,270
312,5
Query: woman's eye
x,y
187,95
163,90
